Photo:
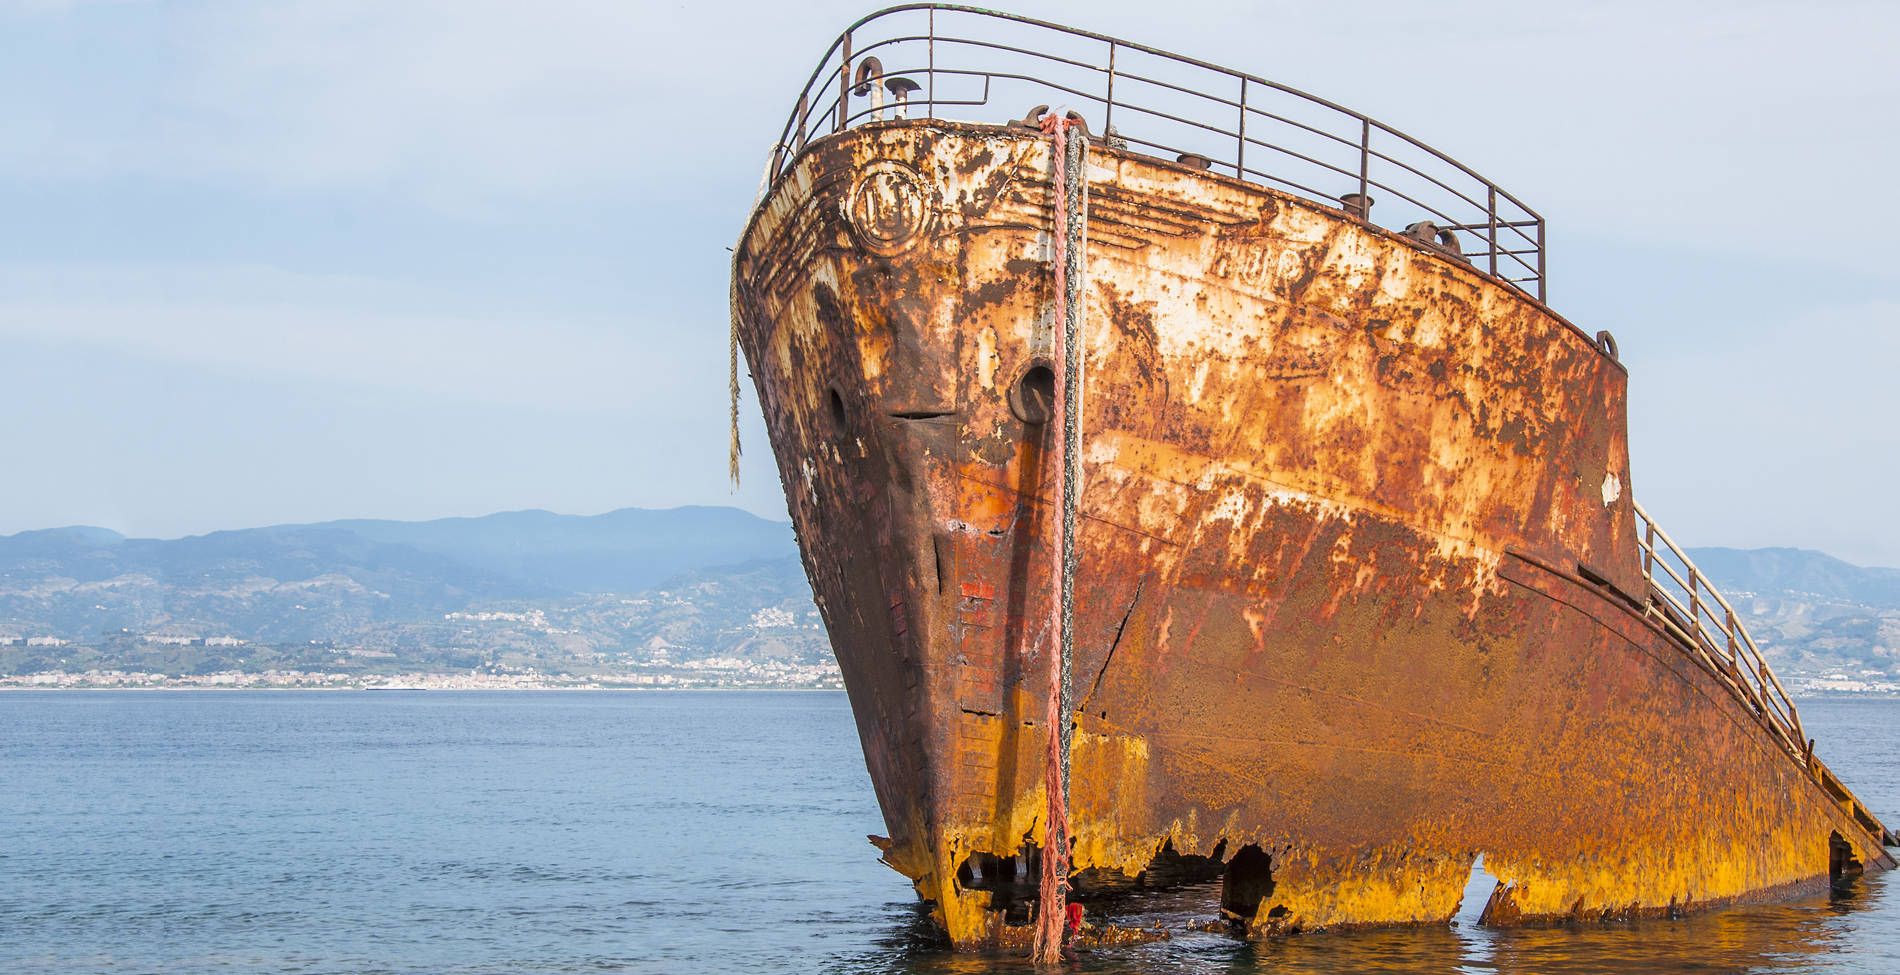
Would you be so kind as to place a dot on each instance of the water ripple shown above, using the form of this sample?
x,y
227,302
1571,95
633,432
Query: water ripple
x,y
481,834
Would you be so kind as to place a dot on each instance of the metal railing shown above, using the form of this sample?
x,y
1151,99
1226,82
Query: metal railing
x,y
944,61
1688,607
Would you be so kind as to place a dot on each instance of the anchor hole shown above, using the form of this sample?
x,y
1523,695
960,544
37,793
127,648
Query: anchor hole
x,y
837,410
1033,400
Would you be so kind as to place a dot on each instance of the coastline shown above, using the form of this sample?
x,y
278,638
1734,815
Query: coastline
x,y
308,681
509,682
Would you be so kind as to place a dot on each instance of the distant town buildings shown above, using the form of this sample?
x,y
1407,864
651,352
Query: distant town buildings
x,y
533,617
1869,682
772,616
187,640
728,673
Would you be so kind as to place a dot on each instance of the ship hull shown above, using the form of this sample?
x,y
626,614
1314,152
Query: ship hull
x,y
1359,594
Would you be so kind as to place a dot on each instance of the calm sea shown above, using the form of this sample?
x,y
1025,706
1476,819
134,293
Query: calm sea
x,y
363,832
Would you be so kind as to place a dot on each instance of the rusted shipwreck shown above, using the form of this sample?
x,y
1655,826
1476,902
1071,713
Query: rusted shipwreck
x,y
1360,588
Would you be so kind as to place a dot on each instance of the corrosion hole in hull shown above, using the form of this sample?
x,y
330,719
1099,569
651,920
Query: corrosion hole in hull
x,y
1010,880
1247,881
940,552
1843,867
1167,870
1171,869
1013,884
1477,894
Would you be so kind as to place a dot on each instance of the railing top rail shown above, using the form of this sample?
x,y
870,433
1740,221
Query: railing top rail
x,y
1454,206
1158,52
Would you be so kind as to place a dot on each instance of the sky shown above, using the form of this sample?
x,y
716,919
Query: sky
x,y
293,261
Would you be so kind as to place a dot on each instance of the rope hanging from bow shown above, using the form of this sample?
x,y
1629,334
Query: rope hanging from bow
x,y
732,377
1070,242
732,338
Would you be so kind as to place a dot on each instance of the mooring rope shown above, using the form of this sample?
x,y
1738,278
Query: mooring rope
x,y
1070,242
732,298
732,374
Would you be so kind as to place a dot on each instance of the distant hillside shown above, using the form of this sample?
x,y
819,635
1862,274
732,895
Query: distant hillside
x,y
388,584
528,553
1813,614
621,551
1797,570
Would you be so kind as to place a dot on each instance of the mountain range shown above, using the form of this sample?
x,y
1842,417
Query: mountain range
x,y
1799,571
1813,615
520,587
625,588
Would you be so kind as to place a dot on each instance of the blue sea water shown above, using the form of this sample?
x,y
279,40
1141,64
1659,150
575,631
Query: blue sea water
x,y
530,832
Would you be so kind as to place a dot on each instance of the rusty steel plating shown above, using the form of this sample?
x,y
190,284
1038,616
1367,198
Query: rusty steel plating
x,y
1360,591
1166,105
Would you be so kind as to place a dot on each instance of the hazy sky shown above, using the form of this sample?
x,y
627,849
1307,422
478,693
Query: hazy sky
x,y
291,261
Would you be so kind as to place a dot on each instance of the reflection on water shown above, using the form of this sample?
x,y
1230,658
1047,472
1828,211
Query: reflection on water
x,y
1848,932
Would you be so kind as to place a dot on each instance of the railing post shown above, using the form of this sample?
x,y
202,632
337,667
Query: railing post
x,y
1695,603
1649,551
930,72
1240,151
1540,259
1734,652
1108,108
1365,163
1491,227
844,85
804,119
